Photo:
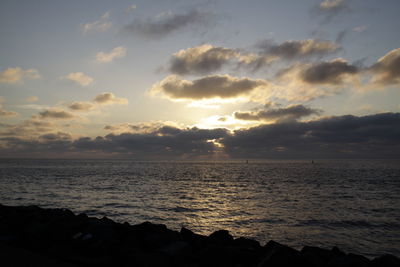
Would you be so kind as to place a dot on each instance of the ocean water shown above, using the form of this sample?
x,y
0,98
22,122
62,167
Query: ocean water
x,y
353,204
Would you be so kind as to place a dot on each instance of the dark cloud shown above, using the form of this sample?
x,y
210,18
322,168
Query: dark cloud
x,y
200,59
298,49
386,71
81,106
328,72
109,98
290,113
55,136
56,114
168,23
374,136
206,58
213,86
164,143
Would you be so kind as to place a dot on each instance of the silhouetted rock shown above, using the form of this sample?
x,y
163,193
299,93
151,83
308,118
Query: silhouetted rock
x,y
319,256
386,261
349,260
278,255
221,237
32,236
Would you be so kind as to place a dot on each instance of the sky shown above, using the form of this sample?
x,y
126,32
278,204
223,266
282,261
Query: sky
x,y
200,79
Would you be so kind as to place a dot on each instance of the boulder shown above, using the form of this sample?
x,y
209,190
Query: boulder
x,y
386,261
278,255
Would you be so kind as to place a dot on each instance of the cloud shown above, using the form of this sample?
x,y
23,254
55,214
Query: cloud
x,y
167,23
208,87
28,129
101,25
117,52
386,71
79,78
307,81
298,49
332,5
6,113
361,28
140,128
270,52
131,8
17,75
206,58
165,142
56,113
290,113
31,99
332,8
201,59
330,72
81,106
373,136
109,98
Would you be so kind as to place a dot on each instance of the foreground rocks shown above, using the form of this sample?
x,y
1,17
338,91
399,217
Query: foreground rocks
x,y
32,236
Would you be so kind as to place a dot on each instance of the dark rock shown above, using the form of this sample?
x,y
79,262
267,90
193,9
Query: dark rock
x,y
246,243
350,260
188,236
221,237
19,257
277,255
32,236
319,256
386,261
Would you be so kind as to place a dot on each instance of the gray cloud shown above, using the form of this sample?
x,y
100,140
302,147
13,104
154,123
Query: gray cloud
x,y
206,58
373,136
109,98
201,59
81,106
386,71
213,86
329,72
168,23
298,48
163,143
289,113
56,114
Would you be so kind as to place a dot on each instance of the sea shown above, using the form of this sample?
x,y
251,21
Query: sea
x,y
351,204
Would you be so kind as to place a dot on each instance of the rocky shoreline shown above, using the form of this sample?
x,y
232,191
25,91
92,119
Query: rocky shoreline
x,y
32,236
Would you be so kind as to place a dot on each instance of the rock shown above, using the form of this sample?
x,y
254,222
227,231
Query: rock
x,y
176,249
386,261
350,260
19,257
32,236
192,238
277,255
246,243
319,256
221,237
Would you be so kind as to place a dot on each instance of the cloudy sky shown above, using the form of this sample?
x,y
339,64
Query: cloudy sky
x,y
213,79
